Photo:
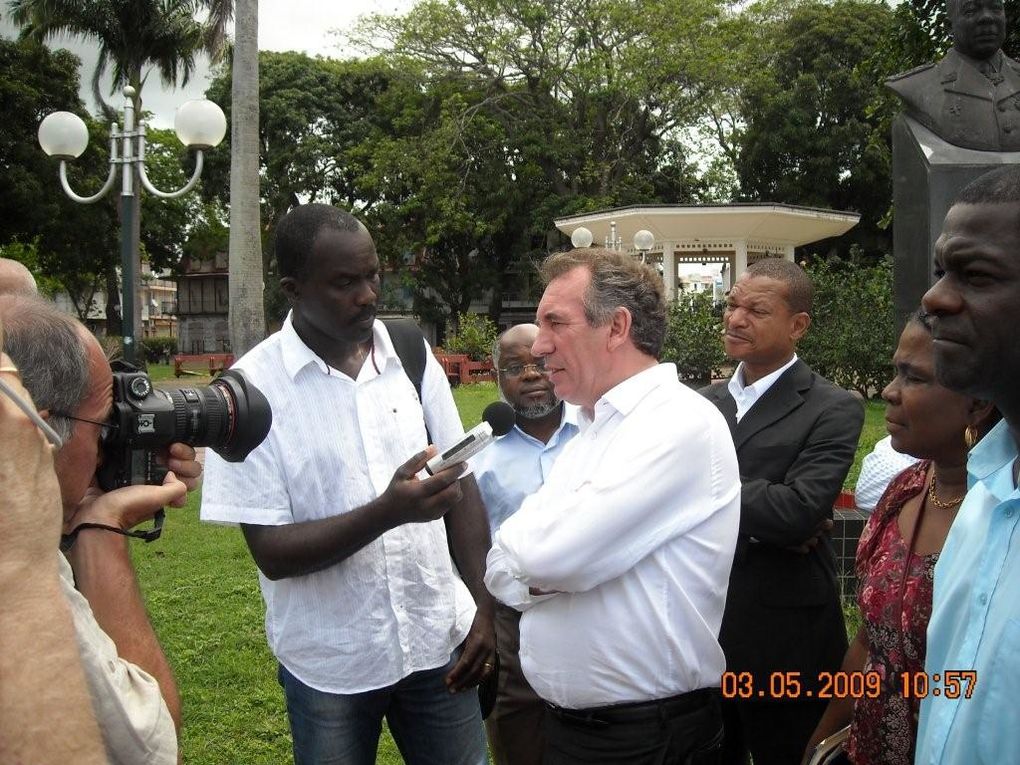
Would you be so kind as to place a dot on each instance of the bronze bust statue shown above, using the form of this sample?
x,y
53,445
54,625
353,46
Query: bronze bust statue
x,y
971,98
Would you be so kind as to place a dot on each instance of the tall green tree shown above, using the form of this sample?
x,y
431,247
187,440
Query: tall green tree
x,y
479,122
133,35
534,109
74,244
167,221
590,90
811,134
317,121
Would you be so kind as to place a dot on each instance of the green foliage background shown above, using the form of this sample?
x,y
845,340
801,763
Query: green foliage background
x,y
693,340
852,335
474,336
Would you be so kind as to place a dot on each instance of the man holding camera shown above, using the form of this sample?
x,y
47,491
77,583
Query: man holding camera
x,y
39,659
131,685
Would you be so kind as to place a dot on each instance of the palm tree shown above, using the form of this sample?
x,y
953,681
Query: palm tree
x,y
133,35
247,315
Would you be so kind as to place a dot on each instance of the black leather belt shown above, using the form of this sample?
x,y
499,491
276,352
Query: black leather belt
x,y
639,711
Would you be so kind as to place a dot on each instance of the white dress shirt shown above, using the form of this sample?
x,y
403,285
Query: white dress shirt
x,y
634,529
745,396
516,465
395,606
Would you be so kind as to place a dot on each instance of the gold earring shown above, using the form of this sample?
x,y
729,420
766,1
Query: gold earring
x,y
970,436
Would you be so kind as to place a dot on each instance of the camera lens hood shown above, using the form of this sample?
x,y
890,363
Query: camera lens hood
x,y
251,416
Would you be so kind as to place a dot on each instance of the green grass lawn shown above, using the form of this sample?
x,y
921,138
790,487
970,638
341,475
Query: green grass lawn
x,y
202,592
163,375
873,431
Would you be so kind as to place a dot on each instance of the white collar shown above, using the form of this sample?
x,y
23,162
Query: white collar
x,y
759,387
297,355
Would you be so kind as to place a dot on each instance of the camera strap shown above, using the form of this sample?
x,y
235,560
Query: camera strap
x,y
148,535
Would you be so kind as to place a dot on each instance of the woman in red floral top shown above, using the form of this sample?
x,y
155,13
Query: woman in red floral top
x,y
898,549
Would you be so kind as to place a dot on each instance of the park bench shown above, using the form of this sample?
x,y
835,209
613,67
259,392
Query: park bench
x,y
211,363
461,370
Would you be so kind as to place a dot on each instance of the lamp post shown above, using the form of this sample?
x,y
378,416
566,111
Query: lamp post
x,y
200,124
613,242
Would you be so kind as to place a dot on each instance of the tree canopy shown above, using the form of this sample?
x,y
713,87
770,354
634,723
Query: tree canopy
x,y
470,125
66,241
811,133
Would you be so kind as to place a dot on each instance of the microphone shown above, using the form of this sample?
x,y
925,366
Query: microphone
x,y
497,420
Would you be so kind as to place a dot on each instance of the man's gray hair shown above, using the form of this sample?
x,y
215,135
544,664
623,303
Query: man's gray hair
x,y
47,348
618,280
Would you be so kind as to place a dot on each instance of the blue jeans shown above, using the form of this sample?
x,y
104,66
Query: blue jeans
x,y
430,725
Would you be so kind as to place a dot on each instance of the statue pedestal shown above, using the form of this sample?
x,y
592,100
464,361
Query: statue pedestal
x,y
927,174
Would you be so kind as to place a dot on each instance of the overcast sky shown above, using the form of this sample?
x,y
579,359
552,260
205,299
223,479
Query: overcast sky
x,y
300,25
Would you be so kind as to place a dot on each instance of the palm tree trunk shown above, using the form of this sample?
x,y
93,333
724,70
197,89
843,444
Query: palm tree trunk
x,y
247,316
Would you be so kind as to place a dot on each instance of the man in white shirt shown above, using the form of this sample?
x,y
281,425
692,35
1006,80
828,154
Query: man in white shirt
x,y
620,560
507,471
364,610
795,435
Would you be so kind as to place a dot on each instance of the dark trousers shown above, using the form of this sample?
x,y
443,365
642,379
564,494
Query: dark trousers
x,y
684,730
516,724
772,732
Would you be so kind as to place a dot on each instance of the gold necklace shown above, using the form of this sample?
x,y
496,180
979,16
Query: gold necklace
x,y
942,504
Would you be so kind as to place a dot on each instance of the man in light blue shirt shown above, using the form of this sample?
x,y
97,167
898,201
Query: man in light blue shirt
x,y
972,667
508,471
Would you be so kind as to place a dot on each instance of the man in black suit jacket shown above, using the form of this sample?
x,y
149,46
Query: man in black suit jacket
x,y
795,435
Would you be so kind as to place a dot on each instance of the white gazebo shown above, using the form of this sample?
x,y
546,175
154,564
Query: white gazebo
x,y
735,234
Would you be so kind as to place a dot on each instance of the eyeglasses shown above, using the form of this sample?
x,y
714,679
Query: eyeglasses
x,y
516,370
106,429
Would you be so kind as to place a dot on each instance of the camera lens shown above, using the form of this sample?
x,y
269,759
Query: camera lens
x,y
231,416
249,416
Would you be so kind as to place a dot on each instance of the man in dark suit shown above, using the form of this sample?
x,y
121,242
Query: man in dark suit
x,y
971,98
795,435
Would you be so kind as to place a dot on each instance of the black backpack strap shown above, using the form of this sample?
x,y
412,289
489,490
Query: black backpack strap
x,y
409,343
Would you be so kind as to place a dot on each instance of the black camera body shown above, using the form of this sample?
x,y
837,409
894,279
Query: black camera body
x,y
230,415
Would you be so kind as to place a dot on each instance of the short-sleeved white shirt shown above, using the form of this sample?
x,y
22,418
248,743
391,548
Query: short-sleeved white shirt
x,y
394,607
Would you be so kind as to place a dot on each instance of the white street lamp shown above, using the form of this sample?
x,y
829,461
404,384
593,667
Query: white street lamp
x,y
644,240
200,124
581,237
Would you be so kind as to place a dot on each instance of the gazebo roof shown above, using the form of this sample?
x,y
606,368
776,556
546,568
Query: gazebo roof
x,y
778,224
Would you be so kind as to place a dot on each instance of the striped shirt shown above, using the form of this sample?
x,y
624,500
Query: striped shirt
x,y
394,607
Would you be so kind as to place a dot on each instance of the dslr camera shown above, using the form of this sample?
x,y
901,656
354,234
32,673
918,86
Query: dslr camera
x,y
230,415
